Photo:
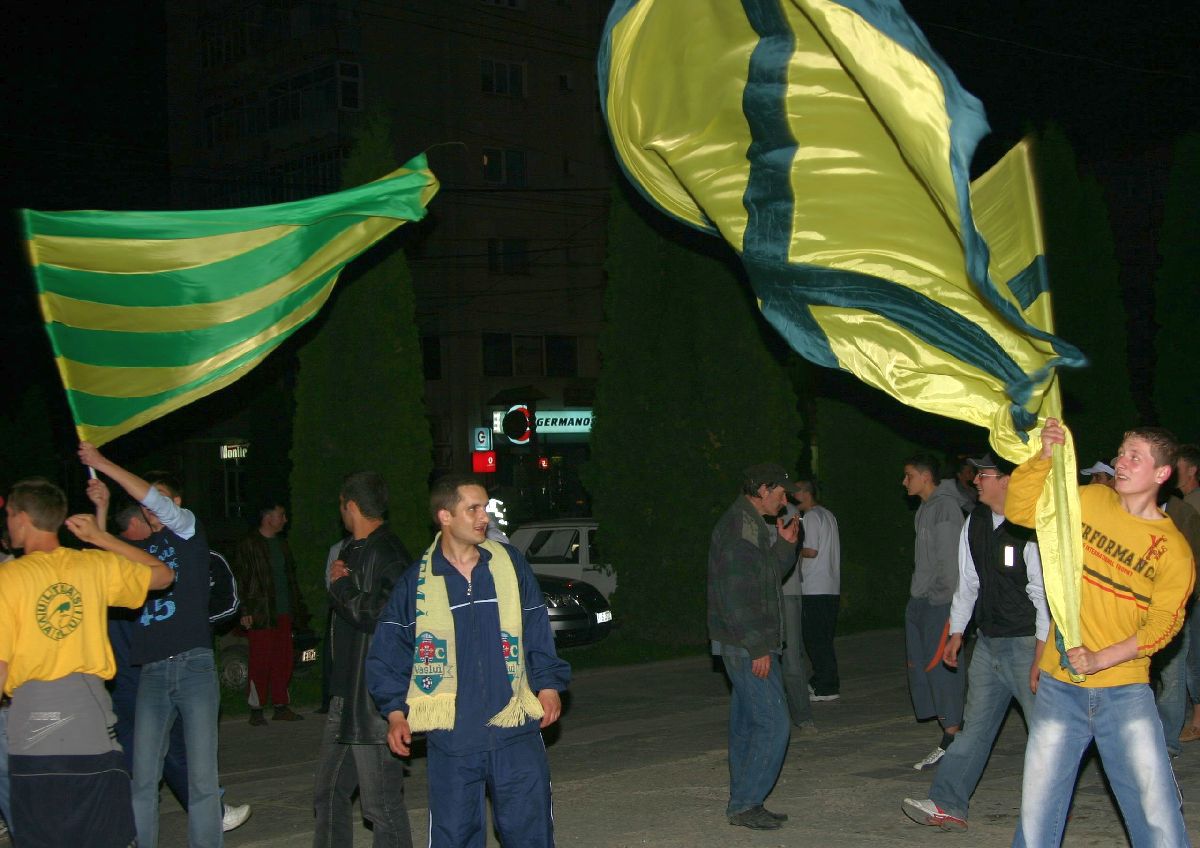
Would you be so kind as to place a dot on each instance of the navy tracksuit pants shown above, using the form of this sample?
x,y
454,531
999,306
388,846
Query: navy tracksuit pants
x,y
517,777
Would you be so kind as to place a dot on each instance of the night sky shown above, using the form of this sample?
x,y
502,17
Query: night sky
x,y
84,121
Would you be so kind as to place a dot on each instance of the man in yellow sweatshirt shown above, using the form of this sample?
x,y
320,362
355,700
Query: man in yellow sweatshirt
x,y
1137,576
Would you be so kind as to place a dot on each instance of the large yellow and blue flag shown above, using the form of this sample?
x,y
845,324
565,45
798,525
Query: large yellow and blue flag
x,y
831,147
149,311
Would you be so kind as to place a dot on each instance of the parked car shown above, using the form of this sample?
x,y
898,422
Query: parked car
x,y
579,614
565,547
233,666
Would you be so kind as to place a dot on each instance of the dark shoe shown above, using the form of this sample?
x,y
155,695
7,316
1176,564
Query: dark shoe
x,y
779,817
256,718
755,818
286,713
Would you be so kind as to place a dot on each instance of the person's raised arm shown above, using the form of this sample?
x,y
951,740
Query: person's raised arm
x,y
179,520
133,485
98,494
85,528
1025,484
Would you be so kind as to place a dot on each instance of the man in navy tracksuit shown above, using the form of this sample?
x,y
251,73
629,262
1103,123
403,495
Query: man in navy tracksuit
x,y
474,753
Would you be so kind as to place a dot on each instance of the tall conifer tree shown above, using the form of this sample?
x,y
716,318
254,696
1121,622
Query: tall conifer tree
x,y
1175,293
27,431
360,391
1088,308
689,395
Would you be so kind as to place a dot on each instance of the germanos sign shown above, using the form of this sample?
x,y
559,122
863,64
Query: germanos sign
x,y
564,421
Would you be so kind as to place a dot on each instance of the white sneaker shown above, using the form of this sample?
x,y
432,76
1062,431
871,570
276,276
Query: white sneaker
x,y
833,696
931,758
234,817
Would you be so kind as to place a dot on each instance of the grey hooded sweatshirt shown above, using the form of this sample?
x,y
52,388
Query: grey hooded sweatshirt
x,y
938,523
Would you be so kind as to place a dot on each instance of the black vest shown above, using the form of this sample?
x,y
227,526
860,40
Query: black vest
x,y
1002,608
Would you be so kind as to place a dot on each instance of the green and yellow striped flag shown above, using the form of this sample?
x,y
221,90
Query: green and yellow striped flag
x,y
830,146
149,311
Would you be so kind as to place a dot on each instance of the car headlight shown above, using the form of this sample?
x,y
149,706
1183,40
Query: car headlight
x,y
557,600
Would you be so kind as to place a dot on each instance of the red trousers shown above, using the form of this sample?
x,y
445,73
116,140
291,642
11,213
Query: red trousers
x,y
271,661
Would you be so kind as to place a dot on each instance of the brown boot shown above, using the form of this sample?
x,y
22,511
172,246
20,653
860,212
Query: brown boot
x,y
256,718
286,713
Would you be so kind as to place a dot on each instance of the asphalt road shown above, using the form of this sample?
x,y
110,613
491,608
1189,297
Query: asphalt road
x,y
639,759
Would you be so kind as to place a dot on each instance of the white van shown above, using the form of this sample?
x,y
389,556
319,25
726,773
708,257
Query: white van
x,y
565,547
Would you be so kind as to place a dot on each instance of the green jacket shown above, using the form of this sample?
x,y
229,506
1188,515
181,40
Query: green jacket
x,y
746,566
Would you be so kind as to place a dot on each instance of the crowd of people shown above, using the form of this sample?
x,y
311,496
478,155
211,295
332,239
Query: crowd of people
x,y
109,676
110,684
977,591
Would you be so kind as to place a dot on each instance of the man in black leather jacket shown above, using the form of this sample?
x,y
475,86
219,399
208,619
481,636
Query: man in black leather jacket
x,y
354,750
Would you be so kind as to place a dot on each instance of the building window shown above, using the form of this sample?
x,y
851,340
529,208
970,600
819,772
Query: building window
x,y
562,356
497,355
504,78
226,39
319,172
504,167
508,256
528,360
566,83
506,355
324,89
431,357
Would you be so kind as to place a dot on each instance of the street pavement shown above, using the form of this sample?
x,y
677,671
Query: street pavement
x,y
639,759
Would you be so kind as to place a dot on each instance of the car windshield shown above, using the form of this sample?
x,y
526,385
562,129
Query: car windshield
x,y
560,545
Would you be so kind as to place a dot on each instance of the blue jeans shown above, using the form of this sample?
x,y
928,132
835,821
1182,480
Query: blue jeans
x,y
184,688
1191,631
998,673
123,689
1172,696
758,730
4,808
1129,738
795,678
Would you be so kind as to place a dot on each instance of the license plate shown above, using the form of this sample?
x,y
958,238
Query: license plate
x,y
309,655
602,617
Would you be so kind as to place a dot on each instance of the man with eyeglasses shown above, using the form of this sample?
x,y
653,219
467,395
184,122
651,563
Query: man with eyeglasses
x,y
1000,579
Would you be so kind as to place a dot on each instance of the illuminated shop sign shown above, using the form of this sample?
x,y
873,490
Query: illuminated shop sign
x,y
547,420
564,421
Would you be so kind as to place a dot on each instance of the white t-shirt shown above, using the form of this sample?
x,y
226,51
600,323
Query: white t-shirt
x,y
823,573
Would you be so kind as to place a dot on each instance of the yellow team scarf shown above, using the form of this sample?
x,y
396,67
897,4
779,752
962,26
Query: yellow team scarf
x,y
433,687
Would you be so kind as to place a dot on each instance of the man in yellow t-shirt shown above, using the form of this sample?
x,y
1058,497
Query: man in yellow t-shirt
x,y
1137,576
68,782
